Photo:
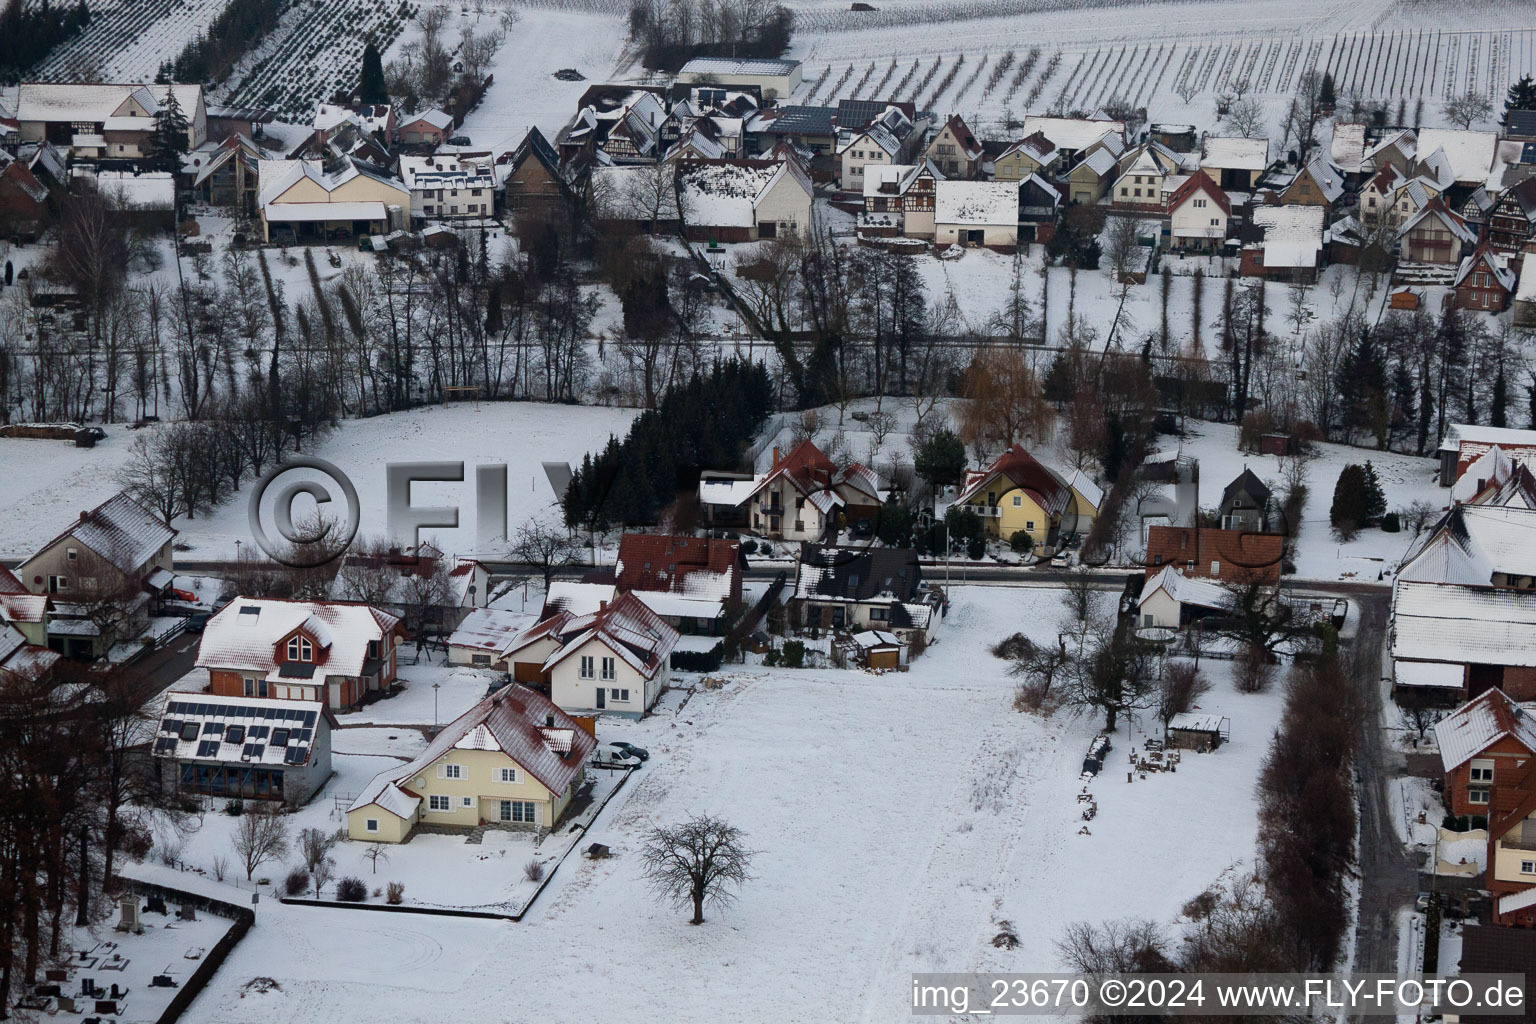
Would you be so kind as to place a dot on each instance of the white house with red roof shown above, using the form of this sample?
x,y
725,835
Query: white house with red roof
x,y
513,760
1199,214
612,660
803,496
328,651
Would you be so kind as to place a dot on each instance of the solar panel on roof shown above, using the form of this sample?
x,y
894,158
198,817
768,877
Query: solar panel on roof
x,y
258,732
165,743
170,725
257,749
213,727
295,755
208,748
309,719
249,747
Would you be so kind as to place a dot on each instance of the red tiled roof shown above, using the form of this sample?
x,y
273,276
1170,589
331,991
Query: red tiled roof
x,y
1025,472
1199,181
1244,557
662,562
805,467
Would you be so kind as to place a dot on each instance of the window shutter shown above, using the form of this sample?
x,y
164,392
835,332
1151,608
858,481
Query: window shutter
x,y
442,771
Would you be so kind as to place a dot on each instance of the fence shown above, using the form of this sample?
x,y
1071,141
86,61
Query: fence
x,y
243,918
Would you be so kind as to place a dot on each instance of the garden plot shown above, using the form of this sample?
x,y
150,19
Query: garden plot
x,y
889,840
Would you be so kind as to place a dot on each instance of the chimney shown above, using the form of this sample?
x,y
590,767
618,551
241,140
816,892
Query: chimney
x,y
775,456
549,721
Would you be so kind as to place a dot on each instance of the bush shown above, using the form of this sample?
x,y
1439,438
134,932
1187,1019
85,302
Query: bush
x,y
975,548
1021,541
394,893
297,882
351,890
1391,523
771,658
534,870
748,546
234,808
794,654
699,661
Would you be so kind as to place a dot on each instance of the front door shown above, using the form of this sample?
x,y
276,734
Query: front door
x,y
602,696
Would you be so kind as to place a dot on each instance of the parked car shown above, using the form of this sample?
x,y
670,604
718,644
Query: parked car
x,y
631,749
197,621
1061,559
459,140
610,756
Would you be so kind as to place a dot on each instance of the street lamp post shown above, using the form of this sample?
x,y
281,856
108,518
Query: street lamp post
x,y
435,688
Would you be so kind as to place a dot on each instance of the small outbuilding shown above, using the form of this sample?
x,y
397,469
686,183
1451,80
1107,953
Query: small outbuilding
x,y
1198,731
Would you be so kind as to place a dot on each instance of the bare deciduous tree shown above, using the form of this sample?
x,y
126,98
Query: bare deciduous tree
x,y
261,836
1467,109
545,546
1180,687
701,860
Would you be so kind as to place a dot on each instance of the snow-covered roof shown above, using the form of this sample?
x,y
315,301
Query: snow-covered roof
x,y
1463,624
1493,466
1517,900
438,119
698,568
1527,290
1100,161
578,598
1083,484
1074,133
536,735
668,604
1293,235
737,66
489,629
726,193
1234,153
152,190
1196,721
444,171
1439,674
94,102
244,635
626,627
1470,152
278,176
1328,178
724,491
248,730
1347,149
1481,722
895,179
23,607
976,202
120,530
1187,590
871,638
1497,264
1471,543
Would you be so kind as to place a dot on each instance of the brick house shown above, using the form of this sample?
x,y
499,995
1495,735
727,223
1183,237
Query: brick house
x,y
333,652
1230,556
1483,744
1484,281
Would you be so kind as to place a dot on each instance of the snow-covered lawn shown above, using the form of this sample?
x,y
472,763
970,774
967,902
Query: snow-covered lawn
x,y
897,819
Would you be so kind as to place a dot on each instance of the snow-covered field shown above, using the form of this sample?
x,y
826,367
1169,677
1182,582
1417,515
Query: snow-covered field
x,y
896,818
51,482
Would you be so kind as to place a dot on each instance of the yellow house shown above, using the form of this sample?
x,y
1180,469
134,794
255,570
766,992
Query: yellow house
x,y
1017,493
514,759
1032,155
316,200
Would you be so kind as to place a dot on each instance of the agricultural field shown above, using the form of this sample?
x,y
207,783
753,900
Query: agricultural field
x,y
995,60
127,40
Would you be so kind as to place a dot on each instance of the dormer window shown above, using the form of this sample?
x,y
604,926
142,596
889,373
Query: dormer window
x,y
300,649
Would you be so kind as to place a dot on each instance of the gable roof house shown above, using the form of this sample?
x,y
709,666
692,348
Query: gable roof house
x,y
1511,875
892,138
694,583
1494,479
803,496
1146,175
1171,600
1245,503
1435,236
1075,136
1199,215
1039,207
976,213
955,150
535,175
900,197
1290,245
1234,163
344,198
1476,545
1090,179
744,200
857,589
1395,149
482,637
1464,443
611,660
406,583
811,128
1462,639
1033,154
1469,154
242,747
1484,281
23,663
1483,743
1512,221
431,127
1230,556
227,173
1319,183
1017,492
514,760
332,652
109,121
776,79
1525,292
